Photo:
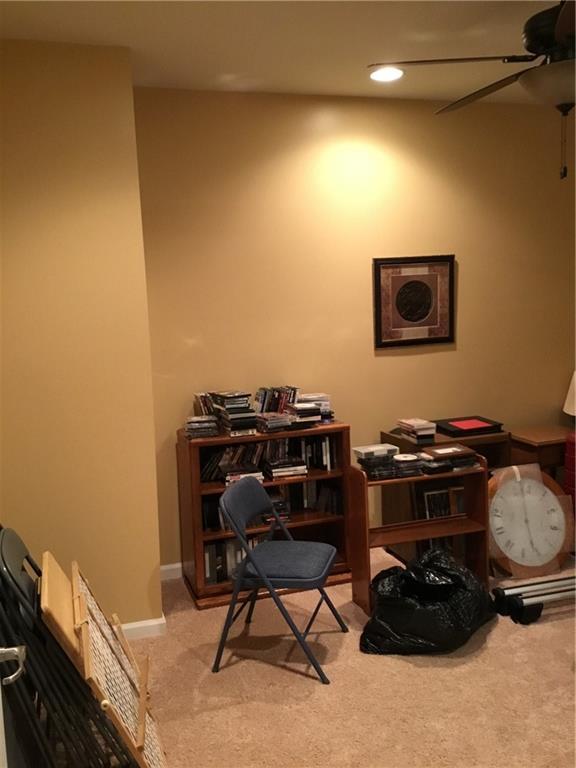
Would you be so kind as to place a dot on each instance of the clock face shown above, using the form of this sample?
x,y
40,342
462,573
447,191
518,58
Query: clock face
x,y
527,522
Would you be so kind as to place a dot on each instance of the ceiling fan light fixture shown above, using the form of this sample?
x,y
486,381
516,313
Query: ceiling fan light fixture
x,y
550,84
386,74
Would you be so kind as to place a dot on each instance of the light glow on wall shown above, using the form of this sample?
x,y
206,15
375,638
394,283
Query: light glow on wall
x,y
354,173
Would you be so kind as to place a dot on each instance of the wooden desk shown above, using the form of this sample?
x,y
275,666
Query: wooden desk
x,y
539,445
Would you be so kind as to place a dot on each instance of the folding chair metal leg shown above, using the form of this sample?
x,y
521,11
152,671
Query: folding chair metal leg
x,y
311,619
226,628
335,613
251,607
298,635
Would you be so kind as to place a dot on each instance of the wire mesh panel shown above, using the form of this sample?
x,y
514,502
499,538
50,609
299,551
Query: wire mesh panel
x,y
57,720
115,679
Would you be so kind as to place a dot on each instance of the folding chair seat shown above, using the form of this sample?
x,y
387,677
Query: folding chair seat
x,y
273,564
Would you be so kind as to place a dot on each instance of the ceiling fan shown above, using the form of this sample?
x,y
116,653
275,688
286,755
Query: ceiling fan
x,y
548,36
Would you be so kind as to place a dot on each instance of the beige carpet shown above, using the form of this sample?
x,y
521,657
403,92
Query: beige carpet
x,y
505,700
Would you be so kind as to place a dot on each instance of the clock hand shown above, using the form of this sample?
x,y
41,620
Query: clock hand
x,y
519,480
530,539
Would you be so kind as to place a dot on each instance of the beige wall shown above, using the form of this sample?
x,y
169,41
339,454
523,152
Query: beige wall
x,y
79,470
262,215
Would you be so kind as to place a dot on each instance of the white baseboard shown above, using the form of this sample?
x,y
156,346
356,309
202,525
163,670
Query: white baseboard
x,y
136,630
170,571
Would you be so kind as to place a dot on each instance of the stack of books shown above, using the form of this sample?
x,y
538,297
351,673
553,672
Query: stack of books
x,y
322,400
281,507
417,430
377,460
272,422
304,414
288,467
201,426
407,464
234,472
235,414
456,456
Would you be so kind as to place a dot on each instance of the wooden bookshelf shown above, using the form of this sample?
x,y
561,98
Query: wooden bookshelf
x,y
471,523
307,523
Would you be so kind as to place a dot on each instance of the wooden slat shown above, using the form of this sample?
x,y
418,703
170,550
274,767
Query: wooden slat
x,y
420,531
57,608
141,734
119,632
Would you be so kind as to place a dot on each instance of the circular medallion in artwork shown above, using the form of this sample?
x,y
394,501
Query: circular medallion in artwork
x,y
414,301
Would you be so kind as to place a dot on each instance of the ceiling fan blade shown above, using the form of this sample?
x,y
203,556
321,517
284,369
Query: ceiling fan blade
x,y
512,59
564,29
479,94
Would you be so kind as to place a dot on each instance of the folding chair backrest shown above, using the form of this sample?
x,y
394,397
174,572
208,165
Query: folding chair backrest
x,y
243,501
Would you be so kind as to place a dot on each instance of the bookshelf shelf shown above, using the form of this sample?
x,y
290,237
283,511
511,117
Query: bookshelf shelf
x,y
297,520
469,522
209,489
200,537
422,478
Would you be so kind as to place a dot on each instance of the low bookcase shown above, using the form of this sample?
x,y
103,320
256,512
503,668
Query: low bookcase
x,y
319,503
442,506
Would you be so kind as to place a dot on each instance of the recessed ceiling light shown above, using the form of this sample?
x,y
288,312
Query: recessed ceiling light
x,y
386,74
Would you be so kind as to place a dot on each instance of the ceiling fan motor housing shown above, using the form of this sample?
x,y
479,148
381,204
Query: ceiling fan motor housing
x,y
539,36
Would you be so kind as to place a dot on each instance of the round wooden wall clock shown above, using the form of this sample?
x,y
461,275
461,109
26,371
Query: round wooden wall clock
x,y
531,522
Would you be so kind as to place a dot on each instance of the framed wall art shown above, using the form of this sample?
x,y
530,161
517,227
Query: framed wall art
x,y
413,300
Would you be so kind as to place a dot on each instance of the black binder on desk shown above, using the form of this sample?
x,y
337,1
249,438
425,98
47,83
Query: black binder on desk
x,y
461,426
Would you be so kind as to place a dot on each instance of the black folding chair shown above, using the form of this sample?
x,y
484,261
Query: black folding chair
x,y
273,564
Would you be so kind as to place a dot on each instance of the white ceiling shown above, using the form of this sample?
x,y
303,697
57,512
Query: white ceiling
x,y
293,47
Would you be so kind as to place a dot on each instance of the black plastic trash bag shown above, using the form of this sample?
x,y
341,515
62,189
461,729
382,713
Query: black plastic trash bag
x,y
432,606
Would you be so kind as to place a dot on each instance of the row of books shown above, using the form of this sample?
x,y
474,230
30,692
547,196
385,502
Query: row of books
x,y
270,459
315,496
383,461
274,399
274,408
279,399
221,558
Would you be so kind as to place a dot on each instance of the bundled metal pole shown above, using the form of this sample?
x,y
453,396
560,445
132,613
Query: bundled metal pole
x,y
524,603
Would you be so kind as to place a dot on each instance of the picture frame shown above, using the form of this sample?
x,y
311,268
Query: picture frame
x,y
413,300
432,500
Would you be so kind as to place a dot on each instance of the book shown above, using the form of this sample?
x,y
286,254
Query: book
x,y
416,426
448,452
241,432
376,449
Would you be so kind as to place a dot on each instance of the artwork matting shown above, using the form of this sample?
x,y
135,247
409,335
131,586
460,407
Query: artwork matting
x,y
413,300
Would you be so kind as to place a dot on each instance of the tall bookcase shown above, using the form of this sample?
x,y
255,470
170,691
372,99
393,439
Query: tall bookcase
x,y
316,514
